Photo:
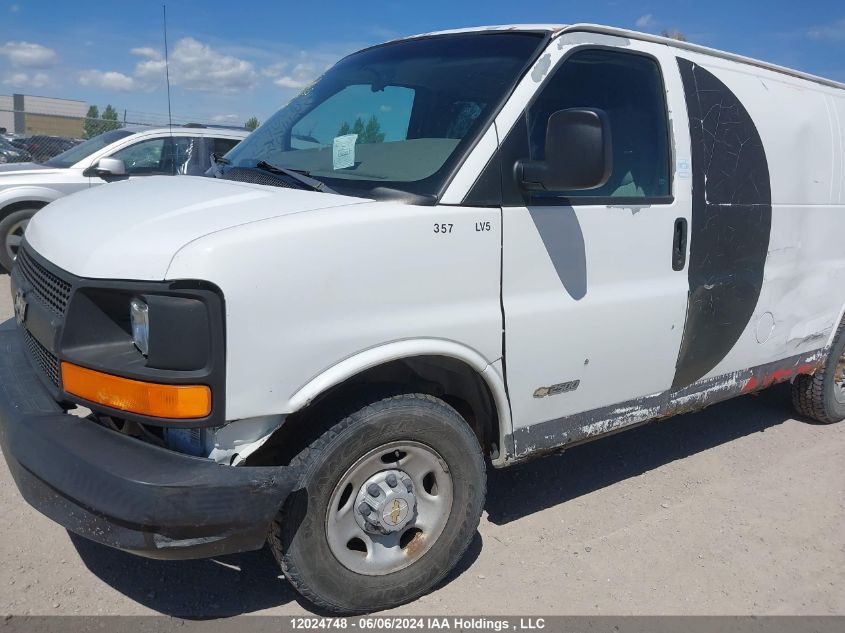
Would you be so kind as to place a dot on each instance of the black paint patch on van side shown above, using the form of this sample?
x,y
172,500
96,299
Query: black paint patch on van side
x,y
731,223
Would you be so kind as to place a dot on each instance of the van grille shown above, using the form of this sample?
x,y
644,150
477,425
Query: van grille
x,y
48,363
49,290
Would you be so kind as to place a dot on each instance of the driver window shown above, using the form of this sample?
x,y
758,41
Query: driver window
x,y
146,158
629,88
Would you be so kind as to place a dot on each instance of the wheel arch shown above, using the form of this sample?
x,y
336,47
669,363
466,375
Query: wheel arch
x,y
448,370
18,198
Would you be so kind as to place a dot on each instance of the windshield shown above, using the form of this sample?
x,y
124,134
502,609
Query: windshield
x,y
83,150
394,118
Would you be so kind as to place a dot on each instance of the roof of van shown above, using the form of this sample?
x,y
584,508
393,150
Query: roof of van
x,y
558,29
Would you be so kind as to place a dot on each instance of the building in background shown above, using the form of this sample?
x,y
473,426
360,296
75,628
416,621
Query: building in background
x,y
28,115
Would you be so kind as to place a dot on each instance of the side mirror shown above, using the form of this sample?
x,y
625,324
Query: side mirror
x,y
578,153
107,168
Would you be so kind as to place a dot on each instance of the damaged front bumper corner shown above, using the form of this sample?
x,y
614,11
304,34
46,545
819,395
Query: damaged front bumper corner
x,y
119,491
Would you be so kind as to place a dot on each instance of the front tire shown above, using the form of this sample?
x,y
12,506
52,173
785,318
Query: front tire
x,y
821,396
388,501
12,227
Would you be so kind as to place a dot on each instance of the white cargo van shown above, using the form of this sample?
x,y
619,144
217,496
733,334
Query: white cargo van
x,y
451,250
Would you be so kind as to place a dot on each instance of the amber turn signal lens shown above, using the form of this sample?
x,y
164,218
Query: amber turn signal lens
x,y
135,396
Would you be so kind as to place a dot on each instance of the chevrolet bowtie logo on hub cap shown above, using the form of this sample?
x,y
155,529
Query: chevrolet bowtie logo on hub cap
x,y
20,306
396,512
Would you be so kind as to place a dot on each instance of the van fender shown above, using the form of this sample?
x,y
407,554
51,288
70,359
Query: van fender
x,y
408,348
835,329
14,195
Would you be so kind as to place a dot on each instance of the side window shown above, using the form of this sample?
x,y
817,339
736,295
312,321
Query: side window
x,y
223,145
183,156
629,88
146,158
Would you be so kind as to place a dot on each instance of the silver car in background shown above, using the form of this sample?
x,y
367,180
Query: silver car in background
x,y
115,155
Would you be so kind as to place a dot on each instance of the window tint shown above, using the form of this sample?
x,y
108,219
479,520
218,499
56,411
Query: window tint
x,y
380,116
83,150
186,156
162,156
629,89
222,145
144,158
415,106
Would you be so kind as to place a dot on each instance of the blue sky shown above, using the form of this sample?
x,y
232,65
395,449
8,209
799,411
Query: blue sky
x,y
232,59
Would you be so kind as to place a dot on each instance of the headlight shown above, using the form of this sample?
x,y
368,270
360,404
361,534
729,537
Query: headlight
x,y
139,313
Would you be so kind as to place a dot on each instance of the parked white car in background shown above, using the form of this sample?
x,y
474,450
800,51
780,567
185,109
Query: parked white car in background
x,y
452,250
27,187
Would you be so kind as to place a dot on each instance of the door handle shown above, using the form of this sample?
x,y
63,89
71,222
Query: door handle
x,y
679,244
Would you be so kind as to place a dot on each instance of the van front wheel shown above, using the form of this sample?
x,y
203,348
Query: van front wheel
x,y
388,501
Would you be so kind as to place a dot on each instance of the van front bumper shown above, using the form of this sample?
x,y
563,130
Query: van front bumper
x,y
120,491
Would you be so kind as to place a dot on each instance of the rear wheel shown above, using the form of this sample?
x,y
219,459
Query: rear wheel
x,y
12,228
821,396
389,499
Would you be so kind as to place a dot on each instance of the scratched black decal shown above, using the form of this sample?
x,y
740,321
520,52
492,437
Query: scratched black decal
x,y
731,222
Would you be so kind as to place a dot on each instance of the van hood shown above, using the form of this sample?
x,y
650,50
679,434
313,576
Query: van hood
x,y
133,229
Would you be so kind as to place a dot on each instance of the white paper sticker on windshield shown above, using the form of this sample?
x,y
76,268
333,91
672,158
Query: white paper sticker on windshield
x,y
343,151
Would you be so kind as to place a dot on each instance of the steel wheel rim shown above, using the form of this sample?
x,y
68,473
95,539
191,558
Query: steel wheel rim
x,y
839,380
14,238
387,553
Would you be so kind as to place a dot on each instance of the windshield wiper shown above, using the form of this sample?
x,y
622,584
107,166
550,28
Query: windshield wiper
x,y
217,162
301,177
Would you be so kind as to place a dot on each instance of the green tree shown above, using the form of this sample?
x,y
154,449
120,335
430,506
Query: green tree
x,y
96,124
369,132
91,125
252,123
373,133
110,121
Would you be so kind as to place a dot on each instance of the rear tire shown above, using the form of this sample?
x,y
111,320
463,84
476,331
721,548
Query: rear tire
x,y
12,227
821,396
382,444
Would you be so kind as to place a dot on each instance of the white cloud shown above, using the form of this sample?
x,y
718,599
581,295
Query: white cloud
x,y
16,79
834,32
28,55
225,118
197,66
193,66
200,67
301,75
19,79
146,51
291,82
645,21
275,70
109,80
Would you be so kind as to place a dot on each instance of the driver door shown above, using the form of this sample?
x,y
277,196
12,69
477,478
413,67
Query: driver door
x,y
162,156
594,299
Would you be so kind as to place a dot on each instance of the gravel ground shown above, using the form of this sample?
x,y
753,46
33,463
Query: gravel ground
x,y
735,510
